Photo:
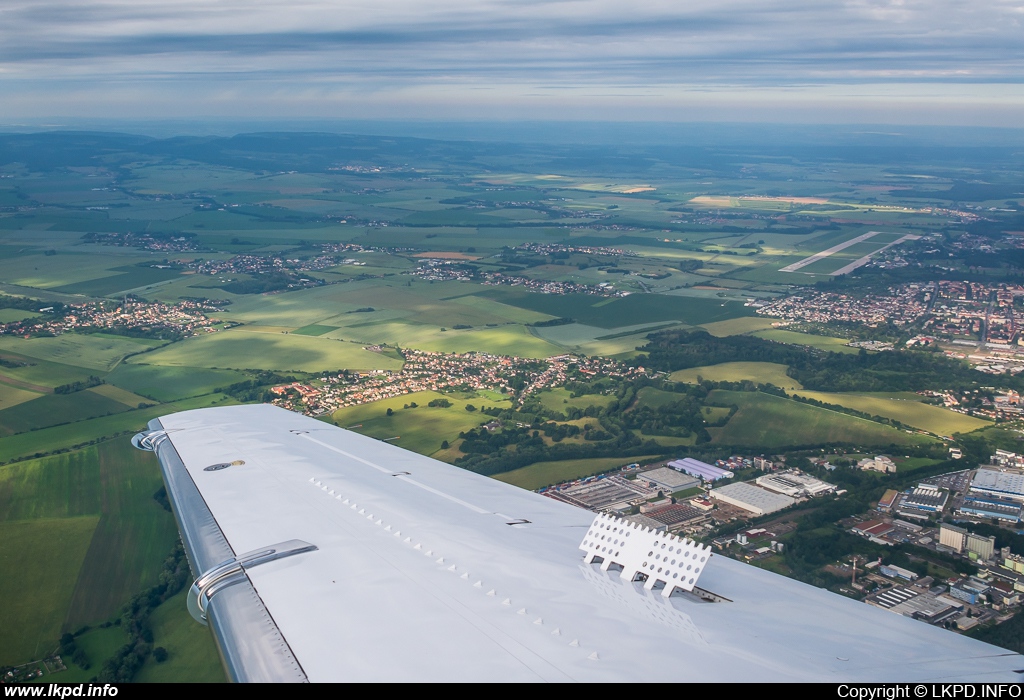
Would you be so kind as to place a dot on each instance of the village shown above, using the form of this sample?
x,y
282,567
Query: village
x,y
435,371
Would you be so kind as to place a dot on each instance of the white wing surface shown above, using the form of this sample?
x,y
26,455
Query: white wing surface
x,y
323,555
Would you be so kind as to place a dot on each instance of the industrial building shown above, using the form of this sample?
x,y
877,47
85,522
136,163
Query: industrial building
x,y
795,485
676,514
881,463
1001,484
893,571
667,480
751,498
701,470
923,500
991,507
953,537
888,500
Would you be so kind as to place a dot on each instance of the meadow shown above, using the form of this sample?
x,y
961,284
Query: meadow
x,y
420,429
822,342
757,372
94,352
906,408
772,422
57,409
170,383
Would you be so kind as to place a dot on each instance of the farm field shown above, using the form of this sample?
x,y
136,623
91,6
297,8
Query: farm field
x,y
65,436
758,372
622,311
12,396
57,409
419,429
47,555
276,351
541,474
906,409
170,383
772,422
93,352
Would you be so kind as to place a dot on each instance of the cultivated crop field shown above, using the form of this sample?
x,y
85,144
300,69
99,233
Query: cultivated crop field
x,y
906,408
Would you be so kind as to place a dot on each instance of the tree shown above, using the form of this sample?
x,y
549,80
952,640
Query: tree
x,y
444,445
391,412
160,654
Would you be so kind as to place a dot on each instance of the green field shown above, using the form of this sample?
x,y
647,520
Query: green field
x,y
622,311
40,560
12,396
418,429
128,280
766,421
738,326
559,399
504,340
115,482
277,351
906,409
191,653
541,474
92,352
758,372
65,436
171,383
822,342
57,409
12,315
314,330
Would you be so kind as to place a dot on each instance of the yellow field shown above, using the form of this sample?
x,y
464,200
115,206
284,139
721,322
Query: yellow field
x,y
124,396
760,372
738,326
906,408
12,396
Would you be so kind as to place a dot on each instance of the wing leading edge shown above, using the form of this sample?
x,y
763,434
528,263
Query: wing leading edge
x,y
324,555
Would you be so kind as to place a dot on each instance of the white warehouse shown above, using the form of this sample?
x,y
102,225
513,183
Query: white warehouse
x,y
751,498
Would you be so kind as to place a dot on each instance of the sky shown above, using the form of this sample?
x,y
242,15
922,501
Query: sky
x,y
953,62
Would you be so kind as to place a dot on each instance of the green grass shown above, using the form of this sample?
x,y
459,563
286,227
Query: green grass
x,y
687,493
541,474
314,329
624,311
40,560
656,398
171,383
419,429
137,277
770,421
12,396
559,399
276,351
91,352
906,409
42,374
12,315
738,326
97,644
65,436
134,533
822,342
909,464
191,653
57,409
503,340
759,372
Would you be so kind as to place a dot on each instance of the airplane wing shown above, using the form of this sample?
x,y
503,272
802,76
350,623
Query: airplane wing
x,y
323,555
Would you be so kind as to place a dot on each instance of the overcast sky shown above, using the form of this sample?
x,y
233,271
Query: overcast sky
x,y
881,61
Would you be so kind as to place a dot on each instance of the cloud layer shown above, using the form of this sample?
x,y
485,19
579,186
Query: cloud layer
x,y
516,58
